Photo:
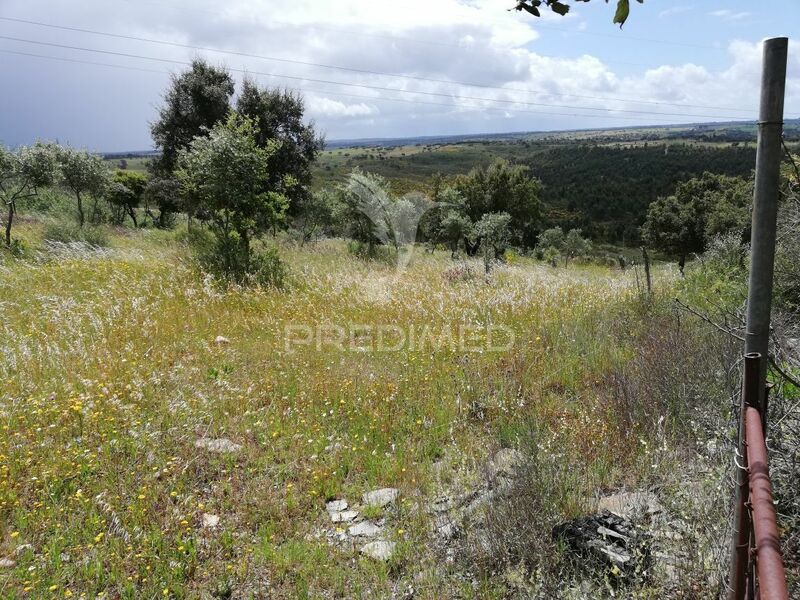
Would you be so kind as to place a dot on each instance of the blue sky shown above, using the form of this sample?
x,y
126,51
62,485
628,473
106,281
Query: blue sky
x,y
673,62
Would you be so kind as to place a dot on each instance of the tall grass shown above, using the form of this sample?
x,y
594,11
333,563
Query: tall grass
x,y
111,373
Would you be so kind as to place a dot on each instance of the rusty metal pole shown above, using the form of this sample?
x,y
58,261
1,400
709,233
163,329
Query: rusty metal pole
x,y
769,564
762,263
740,551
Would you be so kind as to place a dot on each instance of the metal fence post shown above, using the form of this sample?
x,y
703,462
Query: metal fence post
x,y
762,262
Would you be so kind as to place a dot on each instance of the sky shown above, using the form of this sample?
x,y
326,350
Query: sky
x,y
373,68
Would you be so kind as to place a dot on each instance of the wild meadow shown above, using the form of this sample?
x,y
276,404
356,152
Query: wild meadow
x,y
116,361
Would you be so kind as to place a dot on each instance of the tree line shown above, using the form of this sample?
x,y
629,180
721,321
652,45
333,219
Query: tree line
x,y
240,168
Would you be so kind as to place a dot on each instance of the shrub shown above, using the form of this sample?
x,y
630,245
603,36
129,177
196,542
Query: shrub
x,y
267,269
224,258
65,232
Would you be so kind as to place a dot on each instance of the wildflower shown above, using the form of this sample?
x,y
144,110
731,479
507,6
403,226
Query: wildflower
x,y
15,534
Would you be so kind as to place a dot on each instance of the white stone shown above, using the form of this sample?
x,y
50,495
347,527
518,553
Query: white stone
x,y
23,548
221,339
364,529
380,497
210,521
379,550
336,506
223,445
627,504
505,463
7,563
344,516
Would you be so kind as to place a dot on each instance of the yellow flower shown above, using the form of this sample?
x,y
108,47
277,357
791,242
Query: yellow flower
x,y
15,534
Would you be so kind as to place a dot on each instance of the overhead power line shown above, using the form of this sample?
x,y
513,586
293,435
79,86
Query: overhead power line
x,y
365,71
537,24
377,87
342,94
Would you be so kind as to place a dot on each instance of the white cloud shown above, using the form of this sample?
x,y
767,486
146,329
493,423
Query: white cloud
x,y
323,106
468,41
730,15
673,10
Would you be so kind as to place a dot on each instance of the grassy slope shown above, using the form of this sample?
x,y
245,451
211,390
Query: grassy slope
x,y
111,374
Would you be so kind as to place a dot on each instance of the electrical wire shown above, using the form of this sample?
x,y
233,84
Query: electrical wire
x,y
362,71
376,87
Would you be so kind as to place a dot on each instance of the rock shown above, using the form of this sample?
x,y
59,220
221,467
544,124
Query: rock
x,y
7,563
344,516
23,548
380,497
379,550
336,506
504,464
210,521
607,540
630,504
222,445
364,529
221,340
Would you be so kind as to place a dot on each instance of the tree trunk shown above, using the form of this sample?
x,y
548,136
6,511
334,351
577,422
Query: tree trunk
x,y
132,213
8,223
81,217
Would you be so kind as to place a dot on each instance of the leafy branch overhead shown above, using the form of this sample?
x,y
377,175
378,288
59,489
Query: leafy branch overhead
x,y
562,8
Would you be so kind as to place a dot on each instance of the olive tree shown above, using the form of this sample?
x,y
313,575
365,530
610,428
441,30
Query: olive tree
x,y
225,173
83,174
22,173
125,193
575,245
494,233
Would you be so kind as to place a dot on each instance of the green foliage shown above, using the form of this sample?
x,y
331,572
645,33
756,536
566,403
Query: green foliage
x,y
502,187
83,174
494,232
124,194
163,192
314,214
699,209
67,232
575,245
551,238
553,243
22,173
362,210
225,173
787,254
196,101
268,269
454,229
278,116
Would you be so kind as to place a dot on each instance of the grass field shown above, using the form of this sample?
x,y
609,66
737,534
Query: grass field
x,y
111,374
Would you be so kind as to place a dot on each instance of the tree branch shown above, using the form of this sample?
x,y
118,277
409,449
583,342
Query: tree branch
x,y
708,320
783,373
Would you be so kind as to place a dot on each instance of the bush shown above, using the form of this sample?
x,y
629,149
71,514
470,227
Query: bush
x,y
224,258
59,231
17,249
375,252
268,269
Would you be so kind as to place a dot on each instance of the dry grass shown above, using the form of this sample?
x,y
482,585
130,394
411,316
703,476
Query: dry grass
x,y
111,373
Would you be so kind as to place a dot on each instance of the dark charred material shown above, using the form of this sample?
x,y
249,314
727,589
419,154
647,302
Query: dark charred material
x,y
608,542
